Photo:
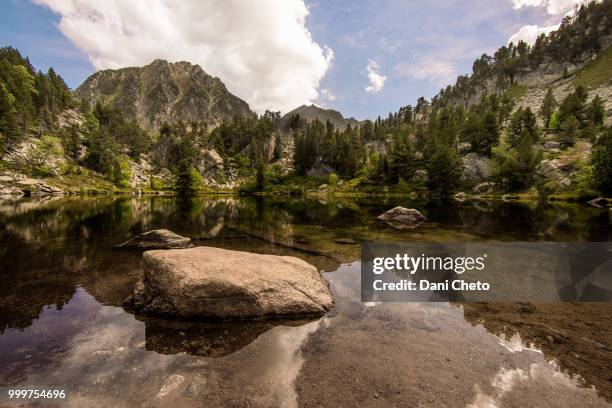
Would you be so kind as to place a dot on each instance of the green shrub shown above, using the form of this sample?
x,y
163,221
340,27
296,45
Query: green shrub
x,y
515,166
42,171
122,172
156,183
333,179
554,121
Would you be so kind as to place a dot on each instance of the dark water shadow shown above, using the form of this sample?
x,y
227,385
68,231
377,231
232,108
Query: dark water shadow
x,y
215,339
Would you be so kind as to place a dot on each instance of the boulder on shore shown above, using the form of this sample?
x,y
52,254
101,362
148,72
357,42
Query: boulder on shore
x,y
158,239
400,217
220,284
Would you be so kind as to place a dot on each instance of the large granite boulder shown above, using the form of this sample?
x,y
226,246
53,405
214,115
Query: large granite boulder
x,y
400,217
220,284
158,239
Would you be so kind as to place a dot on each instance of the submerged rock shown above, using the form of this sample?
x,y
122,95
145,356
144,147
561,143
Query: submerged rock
x,y
158,239
400,217
215,283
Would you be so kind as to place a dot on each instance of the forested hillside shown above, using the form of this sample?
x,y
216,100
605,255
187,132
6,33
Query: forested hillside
x,y
529,120
52,141
28,98
529,116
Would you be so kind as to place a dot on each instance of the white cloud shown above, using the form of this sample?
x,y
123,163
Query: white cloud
x,y
530,33
261,49
553,7
327,94
377,81
517,4
438,71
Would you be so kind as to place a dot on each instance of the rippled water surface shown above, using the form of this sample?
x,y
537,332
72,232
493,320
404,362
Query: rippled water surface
x,y
62,325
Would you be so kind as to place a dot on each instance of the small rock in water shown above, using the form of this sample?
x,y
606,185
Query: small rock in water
x,y
597,202
158,239
460,196
400,217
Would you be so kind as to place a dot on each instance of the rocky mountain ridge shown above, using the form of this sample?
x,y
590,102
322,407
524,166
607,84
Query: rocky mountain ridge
x,y
164,92
311,112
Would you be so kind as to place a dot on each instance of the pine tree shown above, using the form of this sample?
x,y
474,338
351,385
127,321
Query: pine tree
x,y
601,163
514,166
573,105
188,179
443,169
260,178
490,133
596,112
523,125
571,130
548,107
401,161
8,120
328,149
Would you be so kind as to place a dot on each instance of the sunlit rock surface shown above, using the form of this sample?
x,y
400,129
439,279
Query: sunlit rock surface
x,y
208,282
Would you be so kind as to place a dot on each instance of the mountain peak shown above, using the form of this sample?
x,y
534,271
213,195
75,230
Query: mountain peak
x,y
164,91
312,112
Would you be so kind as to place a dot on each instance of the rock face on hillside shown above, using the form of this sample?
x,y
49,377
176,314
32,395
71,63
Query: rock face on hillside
x,y
164,91
215,283
312,112
475,168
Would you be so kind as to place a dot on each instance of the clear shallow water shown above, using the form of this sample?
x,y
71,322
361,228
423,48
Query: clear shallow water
x,y
62,325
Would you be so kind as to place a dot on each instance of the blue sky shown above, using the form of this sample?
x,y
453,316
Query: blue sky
x,y
417,46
